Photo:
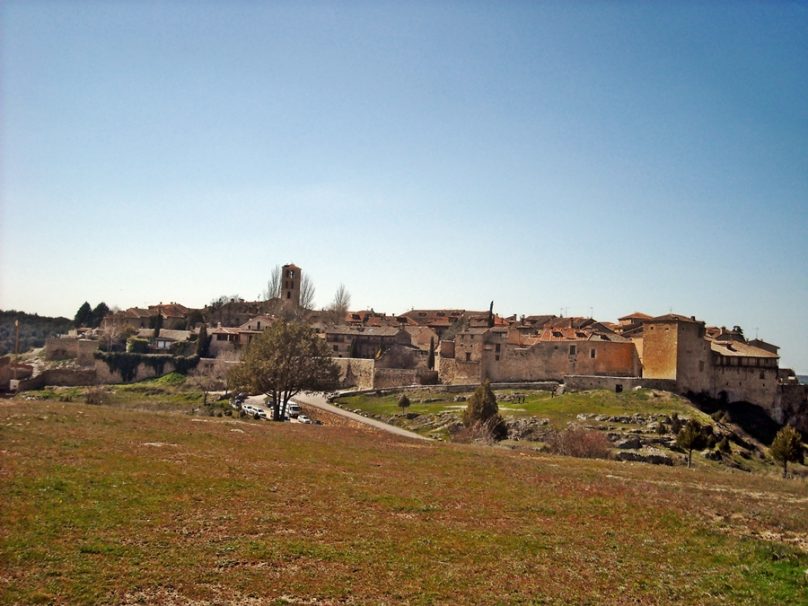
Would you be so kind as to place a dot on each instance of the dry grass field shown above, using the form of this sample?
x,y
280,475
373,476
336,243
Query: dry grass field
x,y
108,505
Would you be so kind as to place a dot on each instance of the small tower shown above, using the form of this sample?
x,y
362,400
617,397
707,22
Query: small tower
x,y
291,276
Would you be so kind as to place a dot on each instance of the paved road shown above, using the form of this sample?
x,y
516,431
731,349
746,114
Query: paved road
x,y
317,400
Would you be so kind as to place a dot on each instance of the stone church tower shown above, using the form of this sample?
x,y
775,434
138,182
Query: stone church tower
x,y
291,276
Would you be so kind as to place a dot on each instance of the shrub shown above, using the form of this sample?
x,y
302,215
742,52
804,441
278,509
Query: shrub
x,y
403,402
580,442
95,395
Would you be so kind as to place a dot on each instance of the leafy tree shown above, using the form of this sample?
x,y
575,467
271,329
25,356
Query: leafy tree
x,y
787,447
482,412
282,361
430,361
691,436
403,402
203,342
84,316
98,314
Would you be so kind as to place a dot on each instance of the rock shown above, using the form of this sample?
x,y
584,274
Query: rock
x,y
645,455
632,443
460,398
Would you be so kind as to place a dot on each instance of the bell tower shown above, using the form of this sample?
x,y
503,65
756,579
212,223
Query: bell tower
x,y
291,276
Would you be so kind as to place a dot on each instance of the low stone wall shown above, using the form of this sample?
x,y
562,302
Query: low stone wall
x,y
60,376
394,377
143,371
582,382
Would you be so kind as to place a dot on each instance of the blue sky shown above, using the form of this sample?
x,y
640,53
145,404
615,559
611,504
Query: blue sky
x,y
618,156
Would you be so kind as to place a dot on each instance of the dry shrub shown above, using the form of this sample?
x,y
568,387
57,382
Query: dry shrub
x,y
580,442
95,395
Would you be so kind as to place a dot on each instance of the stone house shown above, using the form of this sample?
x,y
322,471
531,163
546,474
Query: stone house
x,y
363,342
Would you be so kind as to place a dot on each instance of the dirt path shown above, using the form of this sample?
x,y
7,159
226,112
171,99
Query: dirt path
x,y
317,400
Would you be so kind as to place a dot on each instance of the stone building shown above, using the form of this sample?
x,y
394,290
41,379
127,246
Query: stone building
x,y
291,279
504,354
710,361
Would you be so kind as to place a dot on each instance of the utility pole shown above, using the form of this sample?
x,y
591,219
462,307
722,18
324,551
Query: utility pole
x,y
16,346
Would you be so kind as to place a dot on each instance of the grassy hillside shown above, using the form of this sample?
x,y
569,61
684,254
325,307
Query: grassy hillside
x,y
110,505
559,410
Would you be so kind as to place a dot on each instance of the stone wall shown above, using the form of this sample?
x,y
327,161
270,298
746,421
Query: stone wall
x,y
144,371
60,376
361,372
792,406
583,382
550,360
394,377
60,348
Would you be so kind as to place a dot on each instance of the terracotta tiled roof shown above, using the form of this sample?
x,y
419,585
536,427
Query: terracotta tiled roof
x,y
637,315
737,348
675,318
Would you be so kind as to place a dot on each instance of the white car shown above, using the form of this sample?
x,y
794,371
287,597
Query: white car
x,y
303,419
249,409
293,410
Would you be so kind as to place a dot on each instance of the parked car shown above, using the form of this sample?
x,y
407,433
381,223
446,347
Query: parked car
x,y
261,413
293,410
249,409
303,419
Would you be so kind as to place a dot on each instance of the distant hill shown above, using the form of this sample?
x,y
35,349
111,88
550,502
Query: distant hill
x,y
803,379
34,329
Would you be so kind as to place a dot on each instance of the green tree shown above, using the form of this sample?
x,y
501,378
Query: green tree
x,y
203,342
787,447
430,361
157,323
98,314
84,316
283,360
482,412
403,402
691,436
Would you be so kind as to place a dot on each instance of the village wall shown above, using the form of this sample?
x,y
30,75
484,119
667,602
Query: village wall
x,y
394,377
361,372
60,348
584,382
553,360
67,377
754,384
660,348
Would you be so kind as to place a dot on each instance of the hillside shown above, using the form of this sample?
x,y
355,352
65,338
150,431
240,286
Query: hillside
x,y
640,425
112,505
34,329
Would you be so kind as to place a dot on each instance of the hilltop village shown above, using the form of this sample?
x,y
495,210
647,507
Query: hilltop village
x,y
376,350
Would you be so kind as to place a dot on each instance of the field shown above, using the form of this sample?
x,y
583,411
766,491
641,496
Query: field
x,y
106,504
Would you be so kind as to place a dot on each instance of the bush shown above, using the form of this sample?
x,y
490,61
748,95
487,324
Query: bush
x,y
95,395
581,443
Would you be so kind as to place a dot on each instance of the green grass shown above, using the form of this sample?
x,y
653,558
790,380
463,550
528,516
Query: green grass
x,y
110,505
560,410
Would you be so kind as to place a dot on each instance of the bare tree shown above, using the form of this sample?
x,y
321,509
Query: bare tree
x,y
339,305
306,293
273,290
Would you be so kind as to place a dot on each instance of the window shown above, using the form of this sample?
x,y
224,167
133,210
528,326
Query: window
x,y
336,347
496,357
289,294
497,349
468,356
762,375
573,350
592,353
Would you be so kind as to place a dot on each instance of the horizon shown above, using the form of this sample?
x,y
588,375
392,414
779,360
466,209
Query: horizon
x,y
595,159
